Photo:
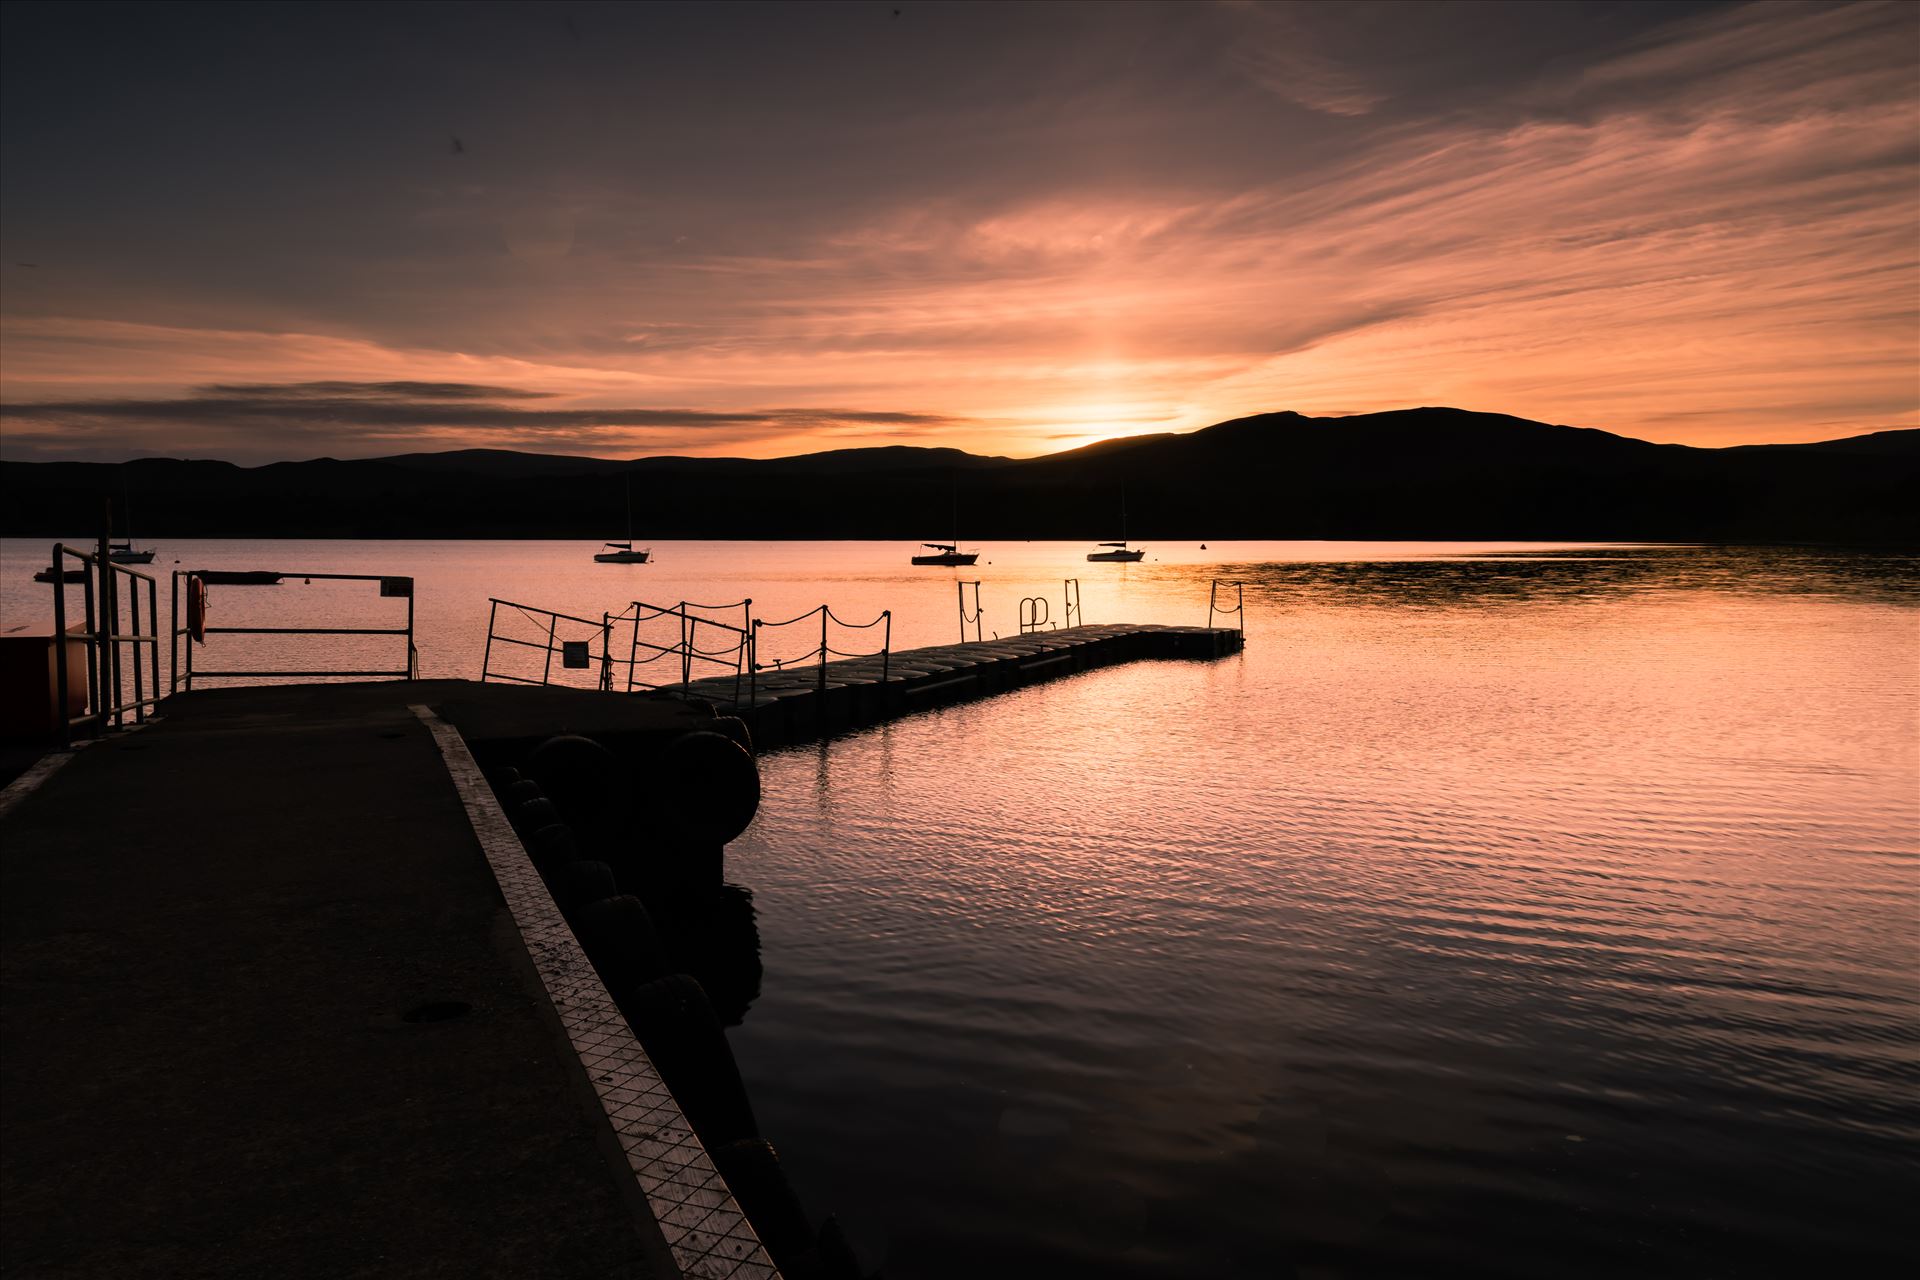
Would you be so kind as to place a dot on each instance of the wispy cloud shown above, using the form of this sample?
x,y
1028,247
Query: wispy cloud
x,y
260,422
1699,230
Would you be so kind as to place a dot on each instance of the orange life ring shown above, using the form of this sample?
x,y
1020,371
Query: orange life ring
x,y
196,608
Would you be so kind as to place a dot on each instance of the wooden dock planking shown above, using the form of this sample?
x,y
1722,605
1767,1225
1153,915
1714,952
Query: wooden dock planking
x,y
787,705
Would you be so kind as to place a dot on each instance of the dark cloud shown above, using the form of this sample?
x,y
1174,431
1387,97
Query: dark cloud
x,y
270,419
370,391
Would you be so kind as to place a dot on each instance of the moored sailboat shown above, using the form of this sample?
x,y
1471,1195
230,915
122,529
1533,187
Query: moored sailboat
x,y
624,552
1118,552
946,553
949,553
124,552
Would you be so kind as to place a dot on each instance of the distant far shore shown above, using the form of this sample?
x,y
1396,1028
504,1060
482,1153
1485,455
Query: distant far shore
x,y
1409,475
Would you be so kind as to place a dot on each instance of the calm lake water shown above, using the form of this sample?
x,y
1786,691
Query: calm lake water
x,y
1502,910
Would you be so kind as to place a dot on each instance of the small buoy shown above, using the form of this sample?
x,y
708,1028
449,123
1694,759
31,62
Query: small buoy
x,y
1203,546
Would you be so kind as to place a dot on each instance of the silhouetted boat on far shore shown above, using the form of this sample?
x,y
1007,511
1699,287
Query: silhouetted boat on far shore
x,y
51,574
947,553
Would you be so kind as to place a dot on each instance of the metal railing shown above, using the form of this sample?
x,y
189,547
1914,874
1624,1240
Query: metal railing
x,y
697,640
977,614
734,643
825,649
1033,614
194,630
1076,616
106,694
1239,610
574,654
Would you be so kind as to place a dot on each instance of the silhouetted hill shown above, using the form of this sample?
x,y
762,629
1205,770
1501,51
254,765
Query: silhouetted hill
x,y
1414,473
501,462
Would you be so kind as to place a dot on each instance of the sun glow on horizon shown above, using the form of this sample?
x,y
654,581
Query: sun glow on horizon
x,y
1701,234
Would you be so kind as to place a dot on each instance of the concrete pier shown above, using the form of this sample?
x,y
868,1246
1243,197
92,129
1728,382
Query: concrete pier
x,y
284,993
268,1011
794,704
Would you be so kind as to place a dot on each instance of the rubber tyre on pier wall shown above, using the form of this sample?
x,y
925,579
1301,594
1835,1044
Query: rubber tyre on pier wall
x,y
676,1026
735,728
711,786
553,846
536,813
583,881
582,778
753,1173
618,936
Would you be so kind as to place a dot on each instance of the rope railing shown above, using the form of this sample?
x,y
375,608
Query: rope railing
x,y
687,646
824,650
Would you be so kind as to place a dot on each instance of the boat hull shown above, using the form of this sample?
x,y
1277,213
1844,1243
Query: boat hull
x,y
950,558
131,557
1116,557
622,557
60,575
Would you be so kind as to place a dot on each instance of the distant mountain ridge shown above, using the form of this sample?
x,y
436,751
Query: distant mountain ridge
x,y
1411,473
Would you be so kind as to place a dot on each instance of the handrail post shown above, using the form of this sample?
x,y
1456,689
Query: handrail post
x,y
190,651
546,672
823,651
633,649
486,655
686,646
93,656
153,626
753,662
413,656
606,652
173,636
108,618
60,645
133,624
886,649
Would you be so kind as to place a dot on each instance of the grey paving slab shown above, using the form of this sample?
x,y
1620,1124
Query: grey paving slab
x,y
213,933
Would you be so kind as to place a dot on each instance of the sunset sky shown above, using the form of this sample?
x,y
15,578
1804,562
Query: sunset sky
x,y
260,232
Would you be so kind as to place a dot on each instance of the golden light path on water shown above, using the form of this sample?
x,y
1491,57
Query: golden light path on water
x,y
1510,910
